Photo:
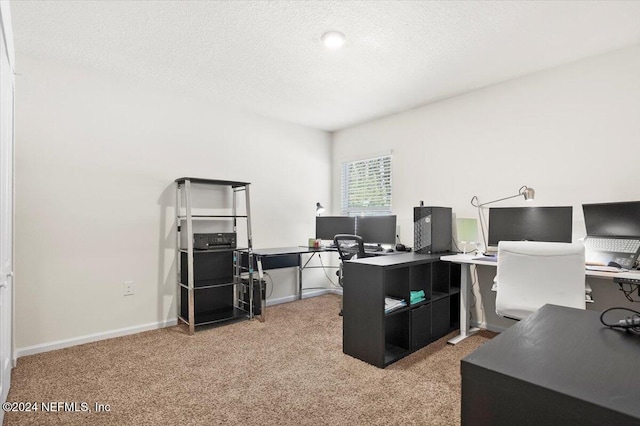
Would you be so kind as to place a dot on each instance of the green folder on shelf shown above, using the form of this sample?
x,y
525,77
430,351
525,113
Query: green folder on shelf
x,y
417,297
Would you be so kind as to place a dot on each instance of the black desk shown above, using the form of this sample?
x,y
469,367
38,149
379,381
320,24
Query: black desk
x,y
286,257
291,257
558,366
283,257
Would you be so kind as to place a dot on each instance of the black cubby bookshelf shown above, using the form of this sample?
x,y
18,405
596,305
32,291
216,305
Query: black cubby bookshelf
x,y
381,338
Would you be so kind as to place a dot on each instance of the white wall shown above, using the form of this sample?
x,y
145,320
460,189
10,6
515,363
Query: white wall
x,y
572,133
96,160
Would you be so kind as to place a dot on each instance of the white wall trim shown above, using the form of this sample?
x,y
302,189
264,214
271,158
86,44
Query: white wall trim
x,y
60,344
7,30
66,343
490,327
306,295
5,390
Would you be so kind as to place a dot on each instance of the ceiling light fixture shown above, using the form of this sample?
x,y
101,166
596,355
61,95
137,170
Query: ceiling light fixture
x,y
333,39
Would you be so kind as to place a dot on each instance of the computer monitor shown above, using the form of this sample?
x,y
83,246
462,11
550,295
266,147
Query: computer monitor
x,y
329,226
552,224
620,219
377,229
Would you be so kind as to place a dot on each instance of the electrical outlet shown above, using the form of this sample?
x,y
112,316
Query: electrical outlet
x,y
127,288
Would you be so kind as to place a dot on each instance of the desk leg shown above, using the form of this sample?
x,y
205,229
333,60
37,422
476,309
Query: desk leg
x,y
465,299
300,267
263,300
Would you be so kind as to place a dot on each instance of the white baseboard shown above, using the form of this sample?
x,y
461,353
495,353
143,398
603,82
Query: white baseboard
x,y
305,295
490,327
60,344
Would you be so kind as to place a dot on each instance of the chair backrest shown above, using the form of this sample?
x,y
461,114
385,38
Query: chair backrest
x,y
531,274
349,245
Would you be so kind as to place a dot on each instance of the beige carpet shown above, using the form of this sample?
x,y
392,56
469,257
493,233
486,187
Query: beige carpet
x,y
289,370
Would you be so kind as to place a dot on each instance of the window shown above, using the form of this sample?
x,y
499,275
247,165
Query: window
x,y
366,186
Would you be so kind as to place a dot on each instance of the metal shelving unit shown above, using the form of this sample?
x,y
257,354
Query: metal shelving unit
x,y
209,292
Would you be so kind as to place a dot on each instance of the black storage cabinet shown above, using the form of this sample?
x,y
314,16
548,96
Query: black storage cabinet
x,y
381,338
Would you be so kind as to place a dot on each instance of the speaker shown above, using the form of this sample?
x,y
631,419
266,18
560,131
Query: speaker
x,y
432,229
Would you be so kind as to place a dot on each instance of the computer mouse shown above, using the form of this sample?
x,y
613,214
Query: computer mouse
x,y
389,250
614,265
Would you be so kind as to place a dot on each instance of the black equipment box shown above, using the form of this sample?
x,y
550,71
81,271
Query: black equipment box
x,y
219,240
257,295
432,229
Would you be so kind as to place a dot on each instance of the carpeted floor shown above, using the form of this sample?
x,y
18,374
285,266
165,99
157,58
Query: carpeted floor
x,y
289,370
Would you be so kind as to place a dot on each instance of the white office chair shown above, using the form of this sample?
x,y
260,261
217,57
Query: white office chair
x,y
531,274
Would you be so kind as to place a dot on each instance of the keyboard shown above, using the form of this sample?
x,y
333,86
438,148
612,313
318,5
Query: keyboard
x,y
612,245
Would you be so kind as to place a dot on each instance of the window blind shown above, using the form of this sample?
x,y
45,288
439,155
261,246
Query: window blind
x,y
366,186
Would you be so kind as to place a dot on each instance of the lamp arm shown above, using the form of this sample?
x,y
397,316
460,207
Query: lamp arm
x,y
501,199
523,191
484,237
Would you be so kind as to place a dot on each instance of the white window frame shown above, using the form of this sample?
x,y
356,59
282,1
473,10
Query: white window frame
x,y
374,186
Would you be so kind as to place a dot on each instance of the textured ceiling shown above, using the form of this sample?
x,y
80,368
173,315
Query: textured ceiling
x,y
267,57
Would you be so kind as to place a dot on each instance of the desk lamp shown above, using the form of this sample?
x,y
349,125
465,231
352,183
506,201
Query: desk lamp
x,y
525,191
319,209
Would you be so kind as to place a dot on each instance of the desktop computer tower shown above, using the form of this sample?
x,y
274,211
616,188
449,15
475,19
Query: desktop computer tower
x,y
257,297
432,229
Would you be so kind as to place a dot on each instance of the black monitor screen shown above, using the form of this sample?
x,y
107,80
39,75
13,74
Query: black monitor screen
x,y
612,219
377,229
329,226
552,224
